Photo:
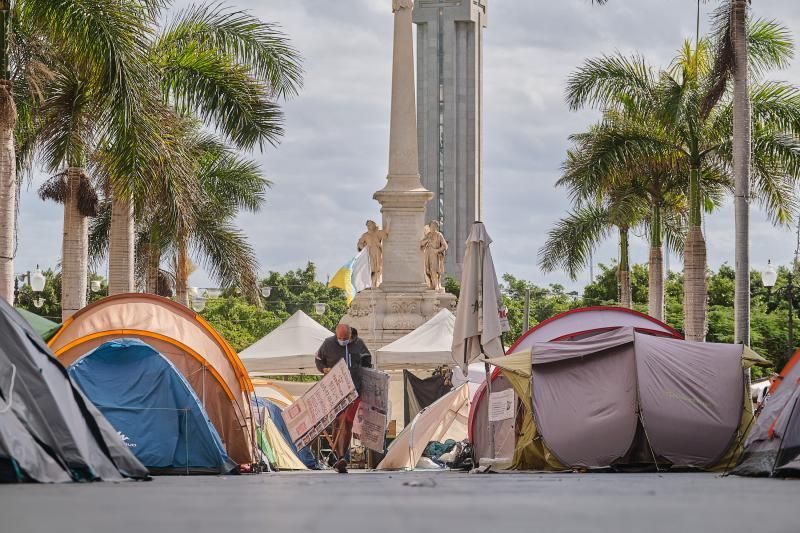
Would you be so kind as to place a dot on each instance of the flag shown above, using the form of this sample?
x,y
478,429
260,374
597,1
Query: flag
x,y
353,277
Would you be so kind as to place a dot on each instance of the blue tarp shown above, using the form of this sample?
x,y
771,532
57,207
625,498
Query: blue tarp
x,y
152,407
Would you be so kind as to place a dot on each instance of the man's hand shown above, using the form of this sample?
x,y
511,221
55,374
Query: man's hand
x,y
326,370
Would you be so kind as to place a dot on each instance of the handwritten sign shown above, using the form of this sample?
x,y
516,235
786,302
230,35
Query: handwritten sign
x,y
315,410
501,405
372,417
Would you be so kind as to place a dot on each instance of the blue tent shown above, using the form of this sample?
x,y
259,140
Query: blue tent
x,y
150,404
304,454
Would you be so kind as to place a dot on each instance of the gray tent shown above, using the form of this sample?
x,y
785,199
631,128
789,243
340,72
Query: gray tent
x,y
773,446
623,399
49,431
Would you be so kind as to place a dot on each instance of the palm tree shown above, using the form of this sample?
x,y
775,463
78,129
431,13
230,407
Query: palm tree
x,y
698,138
656,182
230,184
103,38
225,68
571,242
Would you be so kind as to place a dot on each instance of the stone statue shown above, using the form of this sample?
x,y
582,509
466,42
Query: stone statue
x,y
434,248
373,240
397,5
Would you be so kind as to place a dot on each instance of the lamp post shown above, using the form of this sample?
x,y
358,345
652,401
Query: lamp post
x,y
768,278
36,281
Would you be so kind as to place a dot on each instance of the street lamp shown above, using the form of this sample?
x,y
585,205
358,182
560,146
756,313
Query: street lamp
x,y
319,308
96,285
36,281
198,304
768,278
266,291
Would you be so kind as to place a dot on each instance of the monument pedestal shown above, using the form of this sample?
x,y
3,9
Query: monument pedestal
x,y
382,317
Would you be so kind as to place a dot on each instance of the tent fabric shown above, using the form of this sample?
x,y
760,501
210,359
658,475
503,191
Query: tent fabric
x,y
577,322
41,325
427,347
151,405
444,419
773,445
585,407
280,453
288,349
690,396
207,362
49,431
477,327
553,352
303,454
419,393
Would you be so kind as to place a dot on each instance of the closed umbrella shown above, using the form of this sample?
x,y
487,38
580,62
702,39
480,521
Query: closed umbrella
x,y
478,326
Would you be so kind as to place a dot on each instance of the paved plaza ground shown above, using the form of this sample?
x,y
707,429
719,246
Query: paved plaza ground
x,y
408,501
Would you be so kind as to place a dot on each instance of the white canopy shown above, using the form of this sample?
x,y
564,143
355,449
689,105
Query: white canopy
x,y
427,347
288,349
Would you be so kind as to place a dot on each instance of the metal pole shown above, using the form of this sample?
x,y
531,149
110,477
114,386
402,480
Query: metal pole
x,y
789,295
527,316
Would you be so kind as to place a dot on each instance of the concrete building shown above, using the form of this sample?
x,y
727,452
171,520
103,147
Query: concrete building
x,y
449,115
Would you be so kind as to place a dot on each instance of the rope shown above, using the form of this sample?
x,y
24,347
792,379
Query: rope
x,y
10,390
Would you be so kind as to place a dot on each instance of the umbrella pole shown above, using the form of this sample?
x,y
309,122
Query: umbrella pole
x,y
492,452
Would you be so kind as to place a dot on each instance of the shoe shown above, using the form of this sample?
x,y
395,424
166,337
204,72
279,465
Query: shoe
x,y
341,466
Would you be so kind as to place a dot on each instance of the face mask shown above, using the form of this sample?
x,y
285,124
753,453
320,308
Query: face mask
x,y
343,342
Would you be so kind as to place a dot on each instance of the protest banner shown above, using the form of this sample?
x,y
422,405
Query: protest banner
x,y
315,410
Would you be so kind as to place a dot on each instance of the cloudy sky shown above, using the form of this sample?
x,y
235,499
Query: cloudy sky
x,y
334,154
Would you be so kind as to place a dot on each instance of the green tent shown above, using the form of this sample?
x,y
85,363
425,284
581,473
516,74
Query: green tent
x,y
44,327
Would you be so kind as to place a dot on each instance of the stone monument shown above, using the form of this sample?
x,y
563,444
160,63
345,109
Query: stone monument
x,y
402,300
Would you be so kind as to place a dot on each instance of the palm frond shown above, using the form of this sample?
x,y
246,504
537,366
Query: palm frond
x,y
570,243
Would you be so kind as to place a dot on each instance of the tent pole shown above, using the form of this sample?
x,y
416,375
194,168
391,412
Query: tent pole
x,y
488,409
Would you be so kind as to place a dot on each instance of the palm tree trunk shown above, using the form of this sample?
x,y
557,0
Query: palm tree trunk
x,y
182,271
121,247
694,266
741,170
75,249
655,273
8,191
623,273
8,168
153,265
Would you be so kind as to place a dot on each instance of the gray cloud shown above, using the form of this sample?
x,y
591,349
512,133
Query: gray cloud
x,y
334,154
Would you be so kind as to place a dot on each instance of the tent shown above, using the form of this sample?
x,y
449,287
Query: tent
x,y
273,391
419,393
288,349
623,399
200,354
427,347
569,325
42,326
445,419
152,407
279,452
773,445
49,431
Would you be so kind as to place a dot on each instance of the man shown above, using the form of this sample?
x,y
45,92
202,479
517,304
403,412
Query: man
x,y
343,345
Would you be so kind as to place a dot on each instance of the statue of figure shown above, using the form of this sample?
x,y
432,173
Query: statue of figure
x,y
434,248
397,5
373,240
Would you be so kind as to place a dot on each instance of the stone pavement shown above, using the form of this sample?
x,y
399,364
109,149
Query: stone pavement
x,y
408,501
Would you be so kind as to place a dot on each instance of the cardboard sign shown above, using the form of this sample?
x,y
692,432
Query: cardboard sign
x,y
501,405
372,417
370,427
315,410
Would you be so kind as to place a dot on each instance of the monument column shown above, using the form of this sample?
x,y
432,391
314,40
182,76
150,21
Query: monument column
x,y
403,301
403,198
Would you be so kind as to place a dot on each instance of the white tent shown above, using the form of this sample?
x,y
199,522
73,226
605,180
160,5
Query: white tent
x,y
427,347
446,418
288,349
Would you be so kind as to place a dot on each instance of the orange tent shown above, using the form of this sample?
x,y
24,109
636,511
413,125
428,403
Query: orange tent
x,y
207,362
